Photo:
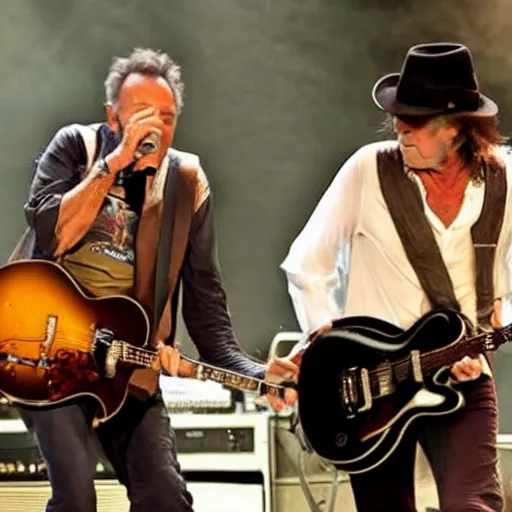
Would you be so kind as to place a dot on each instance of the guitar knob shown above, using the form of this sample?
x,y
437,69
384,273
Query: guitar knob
x,y
8,367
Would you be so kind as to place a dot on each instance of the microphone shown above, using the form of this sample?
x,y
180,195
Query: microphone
x,y
128,173
148,145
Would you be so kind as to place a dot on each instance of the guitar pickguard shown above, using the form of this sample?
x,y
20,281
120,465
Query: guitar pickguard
x,y
424,398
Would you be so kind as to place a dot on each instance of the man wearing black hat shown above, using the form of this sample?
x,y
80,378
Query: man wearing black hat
x,y
448,161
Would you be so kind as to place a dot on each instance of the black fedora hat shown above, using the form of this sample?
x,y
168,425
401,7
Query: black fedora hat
x,y
436,78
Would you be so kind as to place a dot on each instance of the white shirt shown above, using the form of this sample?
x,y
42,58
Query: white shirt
x,y
348,260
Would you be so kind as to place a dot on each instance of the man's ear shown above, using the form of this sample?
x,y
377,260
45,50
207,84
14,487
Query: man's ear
x,y
452,129
112,119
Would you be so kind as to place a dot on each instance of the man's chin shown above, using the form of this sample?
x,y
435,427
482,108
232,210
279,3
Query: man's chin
x,y
413,160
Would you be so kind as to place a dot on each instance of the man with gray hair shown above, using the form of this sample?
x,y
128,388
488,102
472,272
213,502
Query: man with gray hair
x,y
95,206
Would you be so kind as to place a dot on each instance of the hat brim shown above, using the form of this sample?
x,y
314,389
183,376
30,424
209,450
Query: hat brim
x,y
384,96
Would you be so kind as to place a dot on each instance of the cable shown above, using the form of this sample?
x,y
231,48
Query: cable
x,y
306,449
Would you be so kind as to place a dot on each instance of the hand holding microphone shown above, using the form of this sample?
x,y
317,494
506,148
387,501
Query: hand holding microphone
x,y
148,145
140,142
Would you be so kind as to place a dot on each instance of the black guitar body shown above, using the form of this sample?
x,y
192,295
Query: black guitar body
x,y
356,421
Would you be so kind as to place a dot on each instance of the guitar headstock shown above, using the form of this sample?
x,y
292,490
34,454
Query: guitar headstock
x,y
494,339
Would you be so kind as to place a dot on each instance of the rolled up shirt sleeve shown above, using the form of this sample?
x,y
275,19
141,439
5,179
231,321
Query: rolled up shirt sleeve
x,y
310,265
58,171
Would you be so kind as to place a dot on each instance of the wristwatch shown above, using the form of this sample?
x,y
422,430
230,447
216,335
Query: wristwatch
x,y
103,167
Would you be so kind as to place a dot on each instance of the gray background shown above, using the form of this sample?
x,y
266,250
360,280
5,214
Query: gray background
x,y
277,96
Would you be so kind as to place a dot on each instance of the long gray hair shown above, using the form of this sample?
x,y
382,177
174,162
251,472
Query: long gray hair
x,y
476,141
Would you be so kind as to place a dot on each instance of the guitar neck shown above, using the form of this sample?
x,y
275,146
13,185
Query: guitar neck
x,y
429,363
143,358
446,356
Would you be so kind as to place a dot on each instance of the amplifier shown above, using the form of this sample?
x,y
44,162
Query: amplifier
x,y
111,496
215,439
225,459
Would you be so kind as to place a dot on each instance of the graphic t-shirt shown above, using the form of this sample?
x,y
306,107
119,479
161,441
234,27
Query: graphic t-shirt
x,y
103,262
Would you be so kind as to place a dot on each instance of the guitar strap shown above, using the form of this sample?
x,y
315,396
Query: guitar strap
x,y
169,214
485,233
177,214
405,206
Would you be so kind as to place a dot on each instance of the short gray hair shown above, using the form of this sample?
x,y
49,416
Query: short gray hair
x,y
146,62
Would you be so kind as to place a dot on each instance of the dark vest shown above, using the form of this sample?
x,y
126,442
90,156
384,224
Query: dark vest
x,y
405,206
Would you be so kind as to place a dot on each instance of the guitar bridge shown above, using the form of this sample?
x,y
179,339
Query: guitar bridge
x,y
355,391
51,329
417,373
367,391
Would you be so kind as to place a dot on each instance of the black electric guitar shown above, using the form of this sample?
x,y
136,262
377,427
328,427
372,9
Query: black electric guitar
x,y
364,382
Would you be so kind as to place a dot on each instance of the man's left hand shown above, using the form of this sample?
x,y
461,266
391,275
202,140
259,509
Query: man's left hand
x,y
168,359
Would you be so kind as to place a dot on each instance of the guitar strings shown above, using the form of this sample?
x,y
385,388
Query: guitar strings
x,y
400,365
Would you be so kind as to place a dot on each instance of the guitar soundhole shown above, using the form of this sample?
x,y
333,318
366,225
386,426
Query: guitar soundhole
x,y
341,440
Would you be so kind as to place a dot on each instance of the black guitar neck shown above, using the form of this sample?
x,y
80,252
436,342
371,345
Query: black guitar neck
x,y
446,356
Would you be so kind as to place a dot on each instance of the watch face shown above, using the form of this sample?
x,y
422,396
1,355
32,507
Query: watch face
x,y
102,163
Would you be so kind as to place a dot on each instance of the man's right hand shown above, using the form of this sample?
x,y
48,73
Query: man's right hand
x,y
139,126
321,330
283,369
292,363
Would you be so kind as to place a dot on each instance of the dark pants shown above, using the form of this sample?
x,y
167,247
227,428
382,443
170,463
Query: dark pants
x,y
138,441
461,449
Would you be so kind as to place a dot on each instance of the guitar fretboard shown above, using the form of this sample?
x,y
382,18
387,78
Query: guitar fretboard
x,y
432,361
198,370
